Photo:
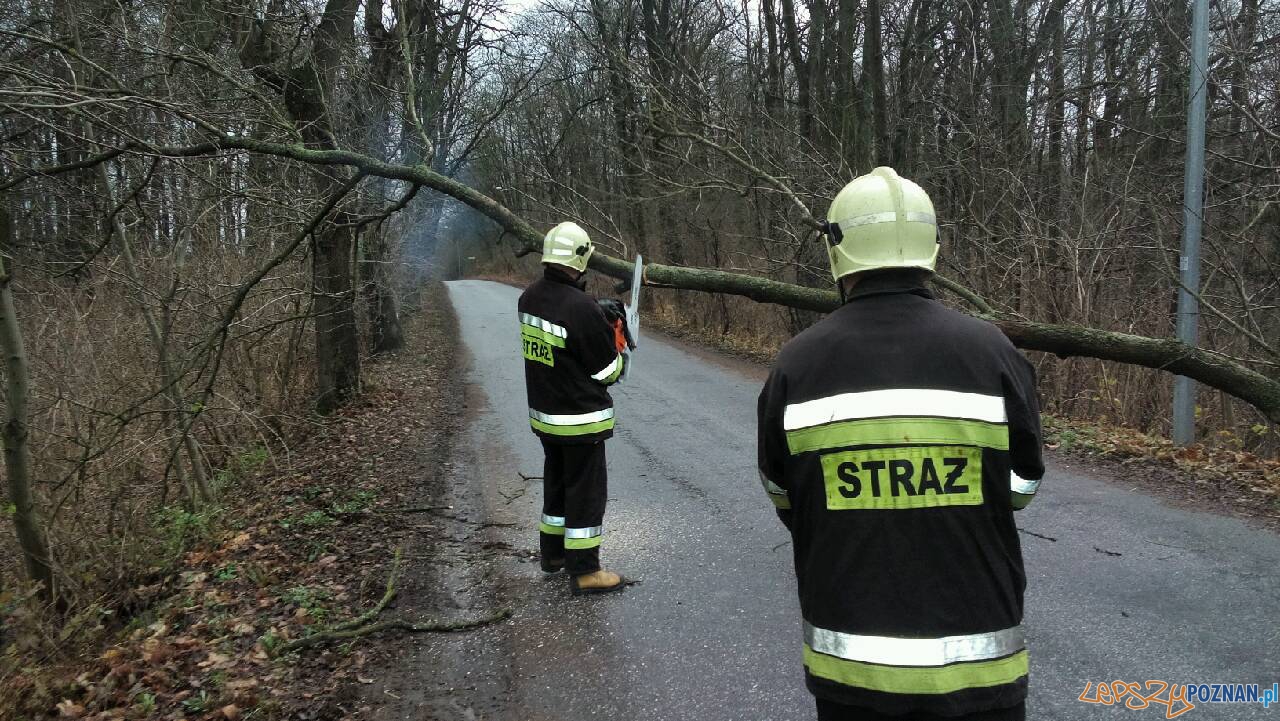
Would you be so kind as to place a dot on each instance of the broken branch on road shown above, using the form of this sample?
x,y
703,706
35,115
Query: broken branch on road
x,y
364,625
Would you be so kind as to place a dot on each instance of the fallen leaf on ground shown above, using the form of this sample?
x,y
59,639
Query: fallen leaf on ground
x,y
214,659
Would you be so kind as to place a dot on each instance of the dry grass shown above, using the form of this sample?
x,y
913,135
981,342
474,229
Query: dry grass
x,y
103,431
301,545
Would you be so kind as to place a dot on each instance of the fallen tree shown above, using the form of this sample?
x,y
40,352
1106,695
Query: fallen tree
x,y
1205,366
1064,341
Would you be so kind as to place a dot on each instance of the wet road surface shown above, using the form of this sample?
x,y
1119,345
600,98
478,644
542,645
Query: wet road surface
x,y
1120,585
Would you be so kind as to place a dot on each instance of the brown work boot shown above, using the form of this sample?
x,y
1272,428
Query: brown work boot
x,y
598,582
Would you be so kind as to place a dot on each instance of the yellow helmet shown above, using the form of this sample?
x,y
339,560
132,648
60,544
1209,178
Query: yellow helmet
x,y
567,244
881,221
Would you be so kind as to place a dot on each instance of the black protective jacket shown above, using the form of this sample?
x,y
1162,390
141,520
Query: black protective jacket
x,y
570,360
891,435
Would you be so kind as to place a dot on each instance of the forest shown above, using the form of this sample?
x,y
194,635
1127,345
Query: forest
x,y
214,216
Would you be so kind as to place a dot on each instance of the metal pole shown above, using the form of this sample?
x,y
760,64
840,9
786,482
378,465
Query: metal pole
x,y
1184,389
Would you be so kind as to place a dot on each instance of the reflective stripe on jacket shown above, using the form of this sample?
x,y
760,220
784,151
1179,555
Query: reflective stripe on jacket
x,y
892,434
570,359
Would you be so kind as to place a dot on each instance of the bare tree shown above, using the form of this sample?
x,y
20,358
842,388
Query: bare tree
x,y
16,434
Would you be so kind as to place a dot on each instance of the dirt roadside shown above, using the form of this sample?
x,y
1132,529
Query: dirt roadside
x,y
275,609
449,677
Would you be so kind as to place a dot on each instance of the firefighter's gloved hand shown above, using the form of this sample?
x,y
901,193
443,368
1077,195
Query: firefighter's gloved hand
x,y
616,312
613,309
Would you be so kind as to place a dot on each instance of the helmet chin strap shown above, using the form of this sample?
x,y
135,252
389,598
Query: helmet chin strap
x,y
834,235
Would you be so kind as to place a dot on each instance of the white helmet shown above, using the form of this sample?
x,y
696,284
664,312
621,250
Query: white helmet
x,y
881,221
567,244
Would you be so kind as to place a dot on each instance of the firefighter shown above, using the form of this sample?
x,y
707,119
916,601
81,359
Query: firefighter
x,y
896,439
572,354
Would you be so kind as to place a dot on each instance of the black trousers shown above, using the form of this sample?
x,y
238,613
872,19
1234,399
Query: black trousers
x,y
832,711
575,485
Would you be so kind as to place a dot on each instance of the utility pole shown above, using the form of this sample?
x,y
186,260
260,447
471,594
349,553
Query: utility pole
x,y
1184,389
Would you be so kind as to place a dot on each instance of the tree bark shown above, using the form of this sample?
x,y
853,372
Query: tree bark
x,y
873,57
773,60
1172,31
305,90
386,333
1246,35
911,53
791,34
337,335
377,267
17,452
616,46
816,66
663,52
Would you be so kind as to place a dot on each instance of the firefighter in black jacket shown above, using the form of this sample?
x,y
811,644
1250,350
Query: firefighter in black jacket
x,y
896,439
572,354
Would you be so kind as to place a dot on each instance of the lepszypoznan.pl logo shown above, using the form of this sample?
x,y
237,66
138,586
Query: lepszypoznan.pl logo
x,y
1177,698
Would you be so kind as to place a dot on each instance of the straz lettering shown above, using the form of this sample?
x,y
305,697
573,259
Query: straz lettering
x,y
536,349
890,478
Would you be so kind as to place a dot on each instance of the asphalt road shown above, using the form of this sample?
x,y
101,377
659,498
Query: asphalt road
x,y
1120,585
